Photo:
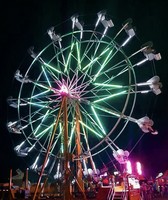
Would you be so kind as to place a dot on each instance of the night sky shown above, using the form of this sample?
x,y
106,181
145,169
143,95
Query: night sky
x,y
23,24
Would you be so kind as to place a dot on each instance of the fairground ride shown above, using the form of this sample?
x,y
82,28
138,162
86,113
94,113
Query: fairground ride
x,y
77,95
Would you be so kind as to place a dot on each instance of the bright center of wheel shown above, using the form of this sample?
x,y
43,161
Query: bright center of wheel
x,y
63,91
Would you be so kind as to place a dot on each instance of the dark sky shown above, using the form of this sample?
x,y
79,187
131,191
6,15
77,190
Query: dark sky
x,y
23,23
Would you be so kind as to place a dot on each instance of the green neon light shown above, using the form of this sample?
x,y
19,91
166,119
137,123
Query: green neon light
x,y
46,76
32,97
31,147
91,118
95,59
49,66
108,85
60,127
36,104
43,118
59,134
71,134
55,142
78,55
69,56
62,148
98,120
104,51
103,65
91,129
41,85
110,96
91,62
45,130
107,110
62,145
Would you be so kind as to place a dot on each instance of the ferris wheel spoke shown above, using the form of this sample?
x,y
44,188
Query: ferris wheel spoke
x,y
44,131
91,98
107,59
122,72
95,123
103,65
74,81
40,94
78,48
50,76
110,96
122,63
110,86
94,90
40,117
95,59
90,129
41,123
98,44
108,111
98,120
57,137
46,76
114,68
43,63
68,60
38,105
84,79
90,44
124,68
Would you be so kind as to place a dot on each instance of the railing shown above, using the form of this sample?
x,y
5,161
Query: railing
x,y
111,193
124,195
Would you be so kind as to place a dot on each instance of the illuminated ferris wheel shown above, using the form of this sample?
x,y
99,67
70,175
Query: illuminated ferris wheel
x,y
78,94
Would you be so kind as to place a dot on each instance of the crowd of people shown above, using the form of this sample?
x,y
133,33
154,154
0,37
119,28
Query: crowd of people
x,y
153,190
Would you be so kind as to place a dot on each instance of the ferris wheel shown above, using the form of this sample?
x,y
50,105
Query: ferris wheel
x,y
78,94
